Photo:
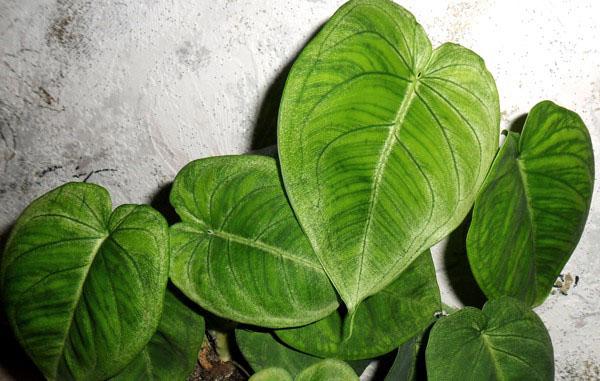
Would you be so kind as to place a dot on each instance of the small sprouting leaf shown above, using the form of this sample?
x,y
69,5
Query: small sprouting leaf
x,y
271,374
383,142
328,370
240,252
173,350
83,287
505,341
382,322
532,208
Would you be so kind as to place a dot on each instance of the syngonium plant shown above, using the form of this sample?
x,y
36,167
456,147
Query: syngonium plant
x,y
385,144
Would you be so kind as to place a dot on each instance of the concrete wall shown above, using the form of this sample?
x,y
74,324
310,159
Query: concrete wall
x,y
125,93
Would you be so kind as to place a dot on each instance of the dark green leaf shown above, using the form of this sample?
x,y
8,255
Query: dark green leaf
x,y
383,142
533,206
173,350
239,251
404,367
328,370
505,341
83,288
263,351
383,322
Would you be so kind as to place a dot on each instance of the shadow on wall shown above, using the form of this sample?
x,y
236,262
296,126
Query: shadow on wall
x,y
160,202
455,257
517,124
457,267
265,128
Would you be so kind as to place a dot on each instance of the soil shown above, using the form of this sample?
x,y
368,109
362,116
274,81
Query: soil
x,y
210,368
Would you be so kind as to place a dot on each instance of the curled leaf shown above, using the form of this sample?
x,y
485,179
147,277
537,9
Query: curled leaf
x,y
532,208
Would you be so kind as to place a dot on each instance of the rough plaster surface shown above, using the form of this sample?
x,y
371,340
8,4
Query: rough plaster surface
x,y
126,93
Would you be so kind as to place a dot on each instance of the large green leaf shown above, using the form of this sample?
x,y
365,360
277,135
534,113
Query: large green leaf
x,y
173,350
83,288
383,322
505,341
383,142
239,252
533,206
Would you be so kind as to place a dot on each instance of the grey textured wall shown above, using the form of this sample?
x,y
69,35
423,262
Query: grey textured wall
x,y
125,93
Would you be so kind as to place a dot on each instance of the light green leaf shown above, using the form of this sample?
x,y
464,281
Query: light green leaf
x,y
505,341
328,370
239,252
173,350
383,322
383,142
533,206
262,350
83,288
404,367
271,374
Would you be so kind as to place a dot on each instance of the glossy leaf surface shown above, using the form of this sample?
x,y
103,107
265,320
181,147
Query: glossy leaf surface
x,y
173,350
532,209
239,252
328,370
504,341
383,322
83,287
383,142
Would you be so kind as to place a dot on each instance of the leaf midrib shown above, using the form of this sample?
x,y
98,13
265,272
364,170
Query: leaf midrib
x,y
488,346
105,235
409,96
257,244
523,177
77,299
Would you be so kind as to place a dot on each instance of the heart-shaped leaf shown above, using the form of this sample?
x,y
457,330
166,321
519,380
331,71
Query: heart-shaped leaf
x,y
173,350
533,206
239,252
328,370
383,322
83,288
383,142
505,341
